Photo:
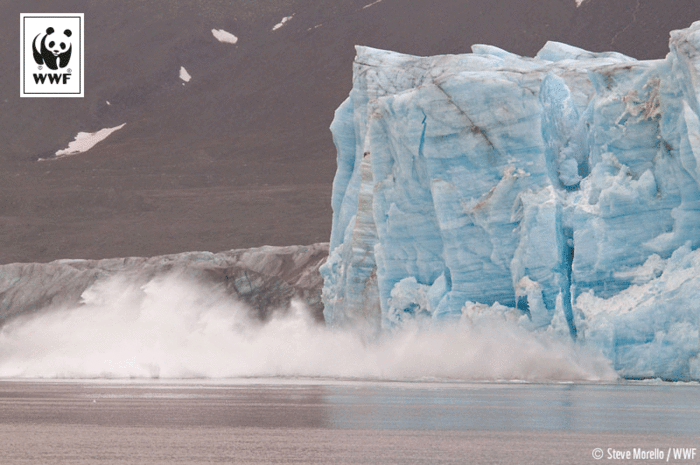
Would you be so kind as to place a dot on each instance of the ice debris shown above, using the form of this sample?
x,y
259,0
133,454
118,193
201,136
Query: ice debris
x,y
565,186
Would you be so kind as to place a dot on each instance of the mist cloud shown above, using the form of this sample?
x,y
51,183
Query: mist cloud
x,y
177,328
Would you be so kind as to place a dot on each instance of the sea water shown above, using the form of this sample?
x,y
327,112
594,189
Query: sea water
x,y
289,420
103,383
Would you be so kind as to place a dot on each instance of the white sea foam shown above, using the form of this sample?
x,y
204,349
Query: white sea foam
x,y
173,328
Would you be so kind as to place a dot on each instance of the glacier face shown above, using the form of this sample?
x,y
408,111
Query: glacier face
x,y
565,187
265,278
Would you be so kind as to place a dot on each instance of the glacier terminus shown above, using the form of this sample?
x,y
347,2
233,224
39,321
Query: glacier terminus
x,y
560,192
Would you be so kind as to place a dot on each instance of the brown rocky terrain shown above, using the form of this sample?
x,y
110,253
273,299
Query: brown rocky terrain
x,y
240,156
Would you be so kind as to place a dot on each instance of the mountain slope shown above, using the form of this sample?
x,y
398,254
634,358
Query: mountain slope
x,y
239,156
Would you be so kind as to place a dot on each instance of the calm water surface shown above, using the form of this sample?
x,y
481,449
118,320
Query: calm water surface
x,y
336,422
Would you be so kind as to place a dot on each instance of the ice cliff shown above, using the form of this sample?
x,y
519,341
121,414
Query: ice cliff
x,y
562,190
265,278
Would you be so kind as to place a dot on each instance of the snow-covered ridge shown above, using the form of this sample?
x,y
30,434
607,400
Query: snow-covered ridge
x,y
563,190
266,278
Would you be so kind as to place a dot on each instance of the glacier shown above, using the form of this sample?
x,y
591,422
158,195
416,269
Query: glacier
x,y
266,279
240,314
562,191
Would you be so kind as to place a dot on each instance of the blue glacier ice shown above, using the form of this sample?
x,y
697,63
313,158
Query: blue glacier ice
x,y
564,187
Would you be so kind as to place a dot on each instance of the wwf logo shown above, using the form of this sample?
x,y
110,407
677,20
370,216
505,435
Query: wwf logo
x,y
54,49
52,59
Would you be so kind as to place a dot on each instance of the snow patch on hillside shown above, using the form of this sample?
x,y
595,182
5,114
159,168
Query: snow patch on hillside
x,y
84,141
184,75
281,23
224,36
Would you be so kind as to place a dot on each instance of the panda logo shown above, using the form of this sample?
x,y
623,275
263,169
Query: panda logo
x,y
54,49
